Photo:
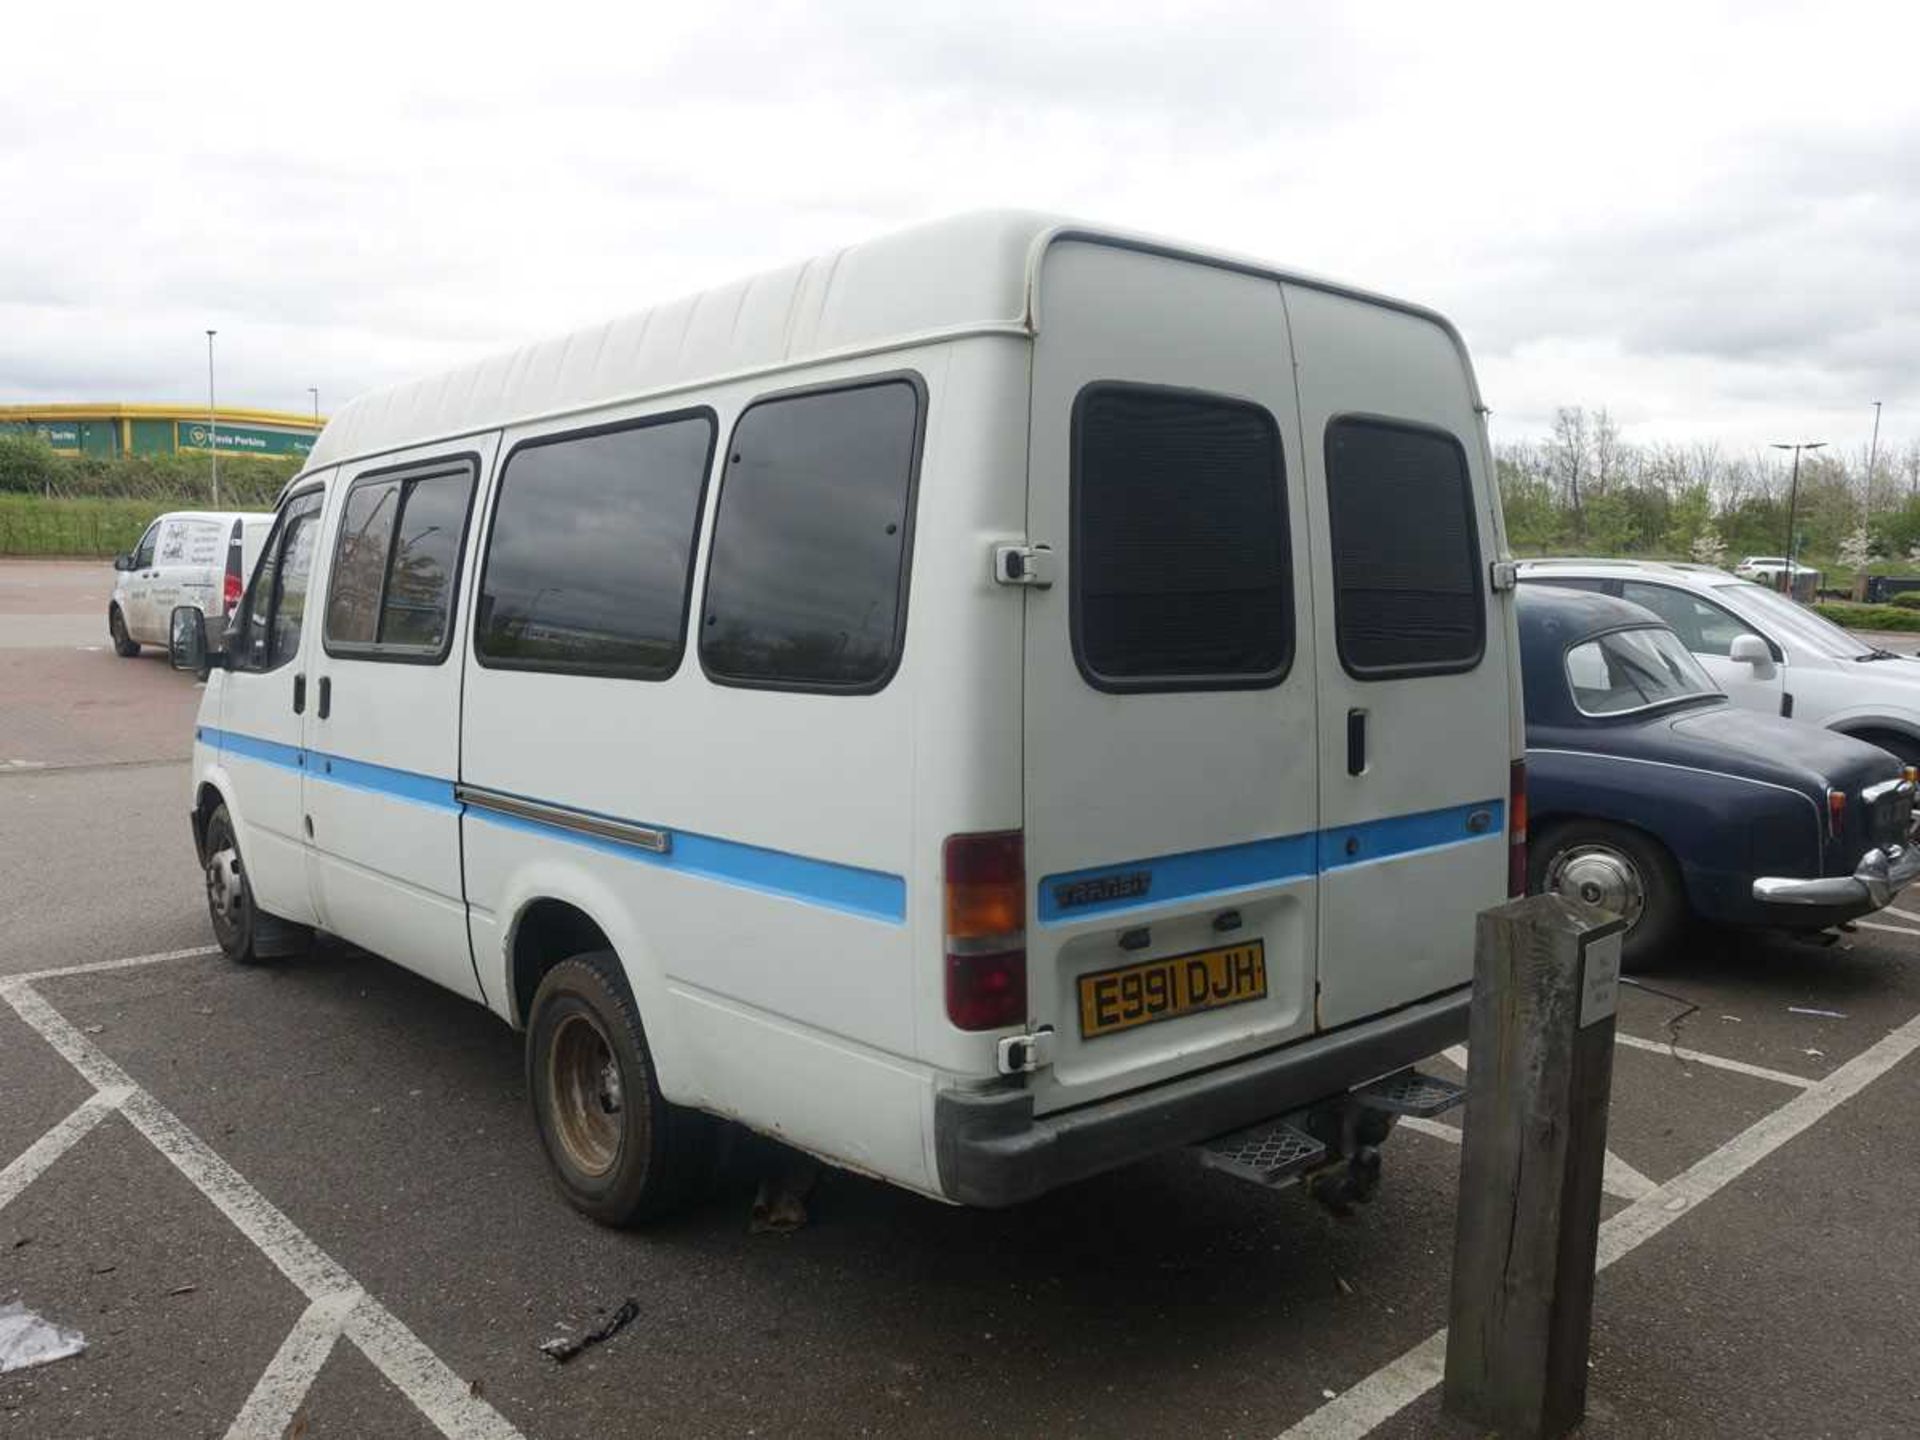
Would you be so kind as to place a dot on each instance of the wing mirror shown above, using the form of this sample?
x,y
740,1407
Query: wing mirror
x,y
187,639
123,561
1751,650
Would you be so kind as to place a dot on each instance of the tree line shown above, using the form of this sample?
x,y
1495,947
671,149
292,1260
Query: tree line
x,y
1587,490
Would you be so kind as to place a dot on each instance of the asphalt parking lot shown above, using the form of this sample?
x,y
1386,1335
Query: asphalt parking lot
x,y
307,1197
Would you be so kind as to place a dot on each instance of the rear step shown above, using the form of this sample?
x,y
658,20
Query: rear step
x,y
1273,1153
1408,1092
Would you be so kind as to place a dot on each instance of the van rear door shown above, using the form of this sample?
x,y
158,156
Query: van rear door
x,y
1171,729
1416,698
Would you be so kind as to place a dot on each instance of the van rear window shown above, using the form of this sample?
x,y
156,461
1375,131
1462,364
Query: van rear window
x,y
807,585
591,554
1182,565
1406,552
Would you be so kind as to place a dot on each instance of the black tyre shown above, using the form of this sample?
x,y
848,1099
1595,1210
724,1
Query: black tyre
x,y
620,1152
123,644
1618,869
229,894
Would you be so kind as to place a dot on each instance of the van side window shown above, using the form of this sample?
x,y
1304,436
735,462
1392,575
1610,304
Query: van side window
x,y
1181,561
143,553
807,585
395,562
1406,550
590,558
276,602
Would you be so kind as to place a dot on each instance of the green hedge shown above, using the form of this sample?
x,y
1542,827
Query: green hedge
x,y
1869,617
28,466
30,525
1906,599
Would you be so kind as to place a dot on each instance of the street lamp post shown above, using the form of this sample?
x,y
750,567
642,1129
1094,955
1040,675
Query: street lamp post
x,y
213,431
1873,454
1793,498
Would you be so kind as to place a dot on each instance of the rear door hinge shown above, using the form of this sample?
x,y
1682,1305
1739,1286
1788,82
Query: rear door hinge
x,y
1023,1054
1024,565
1503,575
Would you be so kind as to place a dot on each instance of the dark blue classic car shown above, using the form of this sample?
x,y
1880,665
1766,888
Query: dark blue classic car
x,y
1653,796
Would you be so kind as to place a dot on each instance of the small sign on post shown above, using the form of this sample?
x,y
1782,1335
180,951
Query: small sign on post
x,y
1546,981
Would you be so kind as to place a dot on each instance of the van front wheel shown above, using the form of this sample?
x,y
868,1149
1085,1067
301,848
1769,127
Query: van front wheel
x,y
620,1152
229,896
124,644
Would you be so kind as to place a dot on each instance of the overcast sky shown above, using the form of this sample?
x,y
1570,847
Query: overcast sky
x,y
1704,217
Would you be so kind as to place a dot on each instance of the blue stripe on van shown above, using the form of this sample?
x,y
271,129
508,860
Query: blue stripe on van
x,y
871,894
850,889
1195,874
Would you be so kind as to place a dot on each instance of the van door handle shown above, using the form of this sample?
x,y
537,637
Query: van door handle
x,y
1356,741
299,693
326,696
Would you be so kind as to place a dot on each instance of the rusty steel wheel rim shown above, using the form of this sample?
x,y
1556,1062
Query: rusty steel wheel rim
x,y
586,1099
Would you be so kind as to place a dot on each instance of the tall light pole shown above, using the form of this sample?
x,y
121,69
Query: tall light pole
x,y
1873,454
1793,497
314,391
213,430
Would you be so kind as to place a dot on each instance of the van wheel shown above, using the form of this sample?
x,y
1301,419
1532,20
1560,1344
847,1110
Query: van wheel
x,y
621,1153
1620,870
229,896
123,643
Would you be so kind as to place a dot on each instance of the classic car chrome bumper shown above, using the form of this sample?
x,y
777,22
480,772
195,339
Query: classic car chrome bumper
x,y
1880,876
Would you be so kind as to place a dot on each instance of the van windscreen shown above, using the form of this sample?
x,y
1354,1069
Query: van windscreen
x,y
1406,556
1182,567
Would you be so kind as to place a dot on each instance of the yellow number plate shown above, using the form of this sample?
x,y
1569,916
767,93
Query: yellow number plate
x,y
1115,1000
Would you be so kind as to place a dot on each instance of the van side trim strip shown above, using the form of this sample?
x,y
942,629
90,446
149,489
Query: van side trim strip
x,y
826,884
1142,884
660,842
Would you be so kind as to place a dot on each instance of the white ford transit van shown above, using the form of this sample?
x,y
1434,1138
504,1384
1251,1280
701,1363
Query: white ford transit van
x,y
983,707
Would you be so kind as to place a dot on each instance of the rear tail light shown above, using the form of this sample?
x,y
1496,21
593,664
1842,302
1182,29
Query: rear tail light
x,y
1517,830
986,906
1836,812
230,587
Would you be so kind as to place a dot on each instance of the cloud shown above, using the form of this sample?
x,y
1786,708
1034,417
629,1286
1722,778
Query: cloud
x,y
1700,216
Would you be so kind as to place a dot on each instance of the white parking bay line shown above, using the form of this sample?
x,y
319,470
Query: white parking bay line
x,y
96,966
284,1384
1619,1179
1888,929
1397,1384
26,1167
443,1397
1903,914
1716,1062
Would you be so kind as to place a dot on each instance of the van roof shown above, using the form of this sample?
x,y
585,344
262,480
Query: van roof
x,y
1610,565
970,274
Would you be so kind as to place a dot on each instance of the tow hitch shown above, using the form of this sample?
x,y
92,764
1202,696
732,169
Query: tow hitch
x,y
1333,1146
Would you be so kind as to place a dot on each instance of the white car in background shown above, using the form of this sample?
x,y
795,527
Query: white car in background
x,y
1767,569
1767,652
187,557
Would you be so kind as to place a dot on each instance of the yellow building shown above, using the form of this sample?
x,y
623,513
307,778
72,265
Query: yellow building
x,y
112,429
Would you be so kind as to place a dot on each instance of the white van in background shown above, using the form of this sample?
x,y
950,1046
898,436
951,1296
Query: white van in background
x,y
983,707
186,557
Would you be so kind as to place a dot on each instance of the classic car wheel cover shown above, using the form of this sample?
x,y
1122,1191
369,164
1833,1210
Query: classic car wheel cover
x,y
1599,875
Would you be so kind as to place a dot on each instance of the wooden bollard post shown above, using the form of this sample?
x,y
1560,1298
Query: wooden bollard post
x,y
1546,978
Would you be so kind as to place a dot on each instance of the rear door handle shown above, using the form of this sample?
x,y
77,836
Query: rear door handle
x,y
299,693
1356,741
326,696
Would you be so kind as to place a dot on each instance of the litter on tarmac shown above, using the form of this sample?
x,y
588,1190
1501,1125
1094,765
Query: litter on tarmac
x,y
27,1340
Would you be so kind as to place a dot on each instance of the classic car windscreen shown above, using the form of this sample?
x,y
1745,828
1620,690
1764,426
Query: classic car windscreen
x,y
1627,670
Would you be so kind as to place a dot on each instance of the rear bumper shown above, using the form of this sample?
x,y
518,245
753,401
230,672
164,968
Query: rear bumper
x,y
994,1151
1880,875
